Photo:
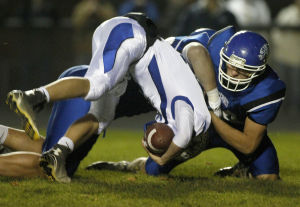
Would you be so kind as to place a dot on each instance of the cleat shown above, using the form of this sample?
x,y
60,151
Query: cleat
x,y
24,104
239,170
53,163
124,166
113,166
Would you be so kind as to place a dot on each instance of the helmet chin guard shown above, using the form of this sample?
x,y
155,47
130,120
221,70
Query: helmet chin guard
x,y
246,51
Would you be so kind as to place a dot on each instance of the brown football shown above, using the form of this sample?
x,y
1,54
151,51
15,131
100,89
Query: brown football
x,y
158,137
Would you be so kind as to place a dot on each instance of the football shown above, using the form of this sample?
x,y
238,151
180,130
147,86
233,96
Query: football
x,y
157,138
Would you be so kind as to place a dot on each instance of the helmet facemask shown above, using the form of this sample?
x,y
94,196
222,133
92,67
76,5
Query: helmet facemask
x,y
237,84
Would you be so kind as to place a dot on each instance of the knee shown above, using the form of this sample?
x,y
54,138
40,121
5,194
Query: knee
x,y
270,177
92,123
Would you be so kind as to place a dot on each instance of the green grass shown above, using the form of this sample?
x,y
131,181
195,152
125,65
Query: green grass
x,y
190,184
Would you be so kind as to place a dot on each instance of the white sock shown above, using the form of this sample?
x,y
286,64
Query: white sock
x,y
65,141
44,90
3,133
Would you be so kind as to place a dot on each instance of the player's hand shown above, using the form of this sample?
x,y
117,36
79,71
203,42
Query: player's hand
x,y
154,157
215,108
218,112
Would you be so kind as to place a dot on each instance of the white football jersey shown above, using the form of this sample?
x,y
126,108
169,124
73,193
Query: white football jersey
x,y
164,77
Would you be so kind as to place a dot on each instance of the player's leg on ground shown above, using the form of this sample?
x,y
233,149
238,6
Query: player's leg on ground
x,y
262,164
137,165
266,164
141,164
20,164
54,160
18,140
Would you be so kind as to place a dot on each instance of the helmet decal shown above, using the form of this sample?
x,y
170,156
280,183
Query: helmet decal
x,y
236,61
263,52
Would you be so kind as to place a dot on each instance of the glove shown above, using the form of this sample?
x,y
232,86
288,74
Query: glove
x,y
216,108
214,102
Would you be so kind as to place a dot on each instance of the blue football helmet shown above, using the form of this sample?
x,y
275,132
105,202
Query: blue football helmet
x,y
246,51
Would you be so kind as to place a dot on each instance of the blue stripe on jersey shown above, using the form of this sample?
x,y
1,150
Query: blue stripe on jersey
x,y
176,41
182,98
118,34
252,105
155,75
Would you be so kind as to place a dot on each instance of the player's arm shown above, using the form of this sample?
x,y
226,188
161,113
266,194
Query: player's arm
x,y
183,133
172,151
245,141
199,58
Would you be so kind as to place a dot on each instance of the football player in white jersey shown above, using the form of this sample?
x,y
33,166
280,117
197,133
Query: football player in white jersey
x,y
122,47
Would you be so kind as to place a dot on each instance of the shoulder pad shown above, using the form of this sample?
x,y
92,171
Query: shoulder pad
x,y
217,41
208,31
180,42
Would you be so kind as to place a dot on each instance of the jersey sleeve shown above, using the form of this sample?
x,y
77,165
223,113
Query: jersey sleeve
x,y
186,49
264,108
184,119
265,114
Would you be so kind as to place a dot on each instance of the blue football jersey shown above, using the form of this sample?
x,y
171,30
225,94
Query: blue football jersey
x,y
181,41
260,101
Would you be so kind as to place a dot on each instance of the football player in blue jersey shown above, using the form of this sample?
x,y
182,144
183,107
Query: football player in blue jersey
x,y
251,95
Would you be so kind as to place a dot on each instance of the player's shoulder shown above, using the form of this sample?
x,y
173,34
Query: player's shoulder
x,y
208,31
217,41
201,37
268,83
266,89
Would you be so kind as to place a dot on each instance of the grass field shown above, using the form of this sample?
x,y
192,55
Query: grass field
x,y
190,184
